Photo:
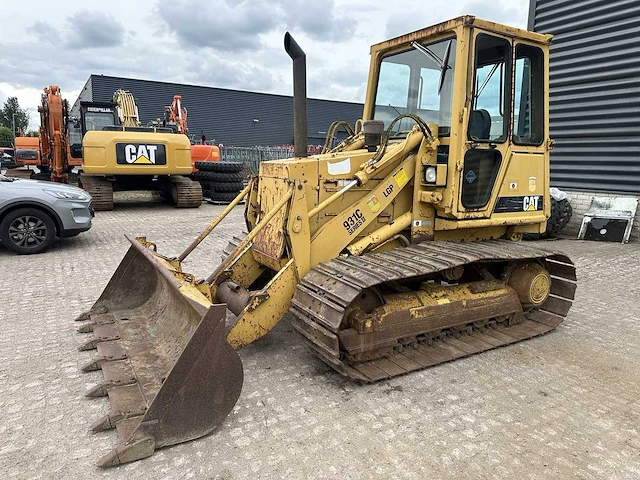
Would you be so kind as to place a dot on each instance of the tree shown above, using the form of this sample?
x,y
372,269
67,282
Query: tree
x,y
12,106
33,133
6,137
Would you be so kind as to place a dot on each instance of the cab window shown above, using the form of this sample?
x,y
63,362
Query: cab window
x,y
418,81
490,105
528,117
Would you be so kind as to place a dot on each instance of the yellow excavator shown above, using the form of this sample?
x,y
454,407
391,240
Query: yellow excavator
x,y
120,154
397,250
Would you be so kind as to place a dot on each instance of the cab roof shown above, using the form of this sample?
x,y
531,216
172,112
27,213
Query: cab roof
x,y
464,21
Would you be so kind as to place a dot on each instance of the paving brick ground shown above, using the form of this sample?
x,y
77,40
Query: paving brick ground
x,y
562,406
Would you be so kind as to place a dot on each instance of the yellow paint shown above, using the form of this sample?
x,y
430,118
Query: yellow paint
x,y
401,178
99,153
298,216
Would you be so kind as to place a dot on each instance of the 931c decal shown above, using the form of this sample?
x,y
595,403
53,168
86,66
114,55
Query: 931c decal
x,y
533,203
354,221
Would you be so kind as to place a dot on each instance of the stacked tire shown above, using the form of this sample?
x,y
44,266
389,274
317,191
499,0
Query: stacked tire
x,y
221,181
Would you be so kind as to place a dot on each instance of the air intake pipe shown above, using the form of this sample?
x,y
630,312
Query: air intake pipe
x,y
300,136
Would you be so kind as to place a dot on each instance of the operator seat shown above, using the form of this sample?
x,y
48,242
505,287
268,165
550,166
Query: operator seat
x,y
480,125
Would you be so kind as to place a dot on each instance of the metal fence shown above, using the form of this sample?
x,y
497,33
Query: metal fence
x,y
252,156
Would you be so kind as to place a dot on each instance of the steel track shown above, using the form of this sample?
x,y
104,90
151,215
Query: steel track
x,y
325,294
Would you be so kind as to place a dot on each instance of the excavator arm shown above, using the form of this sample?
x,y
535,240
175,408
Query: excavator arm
x,y
177,113
54,113
127,108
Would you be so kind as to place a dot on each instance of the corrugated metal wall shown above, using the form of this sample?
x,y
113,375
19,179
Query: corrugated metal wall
x,y
595,92
228,115
86,95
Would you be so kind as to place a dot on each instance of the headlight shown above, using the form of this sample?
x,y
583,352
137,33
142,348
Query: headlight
x,y
430,175
67,195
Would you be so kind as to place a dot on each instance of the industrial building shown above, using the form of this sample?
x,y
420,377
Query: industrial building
x,y
230,117
594,97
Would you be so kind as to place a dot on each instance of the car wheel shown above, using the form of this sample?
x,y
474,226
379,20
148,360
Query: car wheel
x,y
27,230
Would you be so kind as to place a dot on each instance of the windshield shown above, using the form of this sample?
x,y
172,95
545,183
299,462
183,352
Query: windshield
x,y
410,82
27,154
97,120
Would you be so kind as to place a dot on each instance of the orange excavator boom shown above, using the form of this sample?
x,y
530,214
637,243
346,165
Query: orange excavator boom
x,y
53,133
177,113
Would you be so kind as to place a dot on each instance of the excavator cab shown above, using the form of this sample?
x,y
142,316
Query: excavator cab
x,y
394,251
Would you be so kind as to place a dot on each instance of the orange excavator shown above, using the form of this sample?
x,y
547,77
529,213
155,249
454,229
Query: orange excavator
x,y
54,135
175,115
50,153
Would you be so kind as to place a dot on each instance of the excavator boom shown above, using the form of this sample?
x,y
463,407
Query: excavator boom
x,y
54,137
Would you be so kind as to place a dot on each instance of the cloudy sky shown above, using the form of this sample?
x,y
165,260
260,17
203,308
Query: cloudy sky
x,y
222,43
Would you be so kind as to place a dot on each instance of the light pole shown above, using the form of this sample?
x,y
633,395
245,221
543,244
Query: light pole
x,y
13,120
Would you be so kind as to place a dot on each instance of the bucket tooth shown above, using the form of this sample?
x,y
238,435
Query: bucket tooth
x,y
116,374
94,364
99,390
134,450
108,422
102,333
107,352
87,315
96,320
127,401
90,345
86,328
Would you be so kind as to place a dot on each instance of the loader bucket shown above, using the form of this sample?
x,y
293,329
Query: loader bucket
x,y
169,372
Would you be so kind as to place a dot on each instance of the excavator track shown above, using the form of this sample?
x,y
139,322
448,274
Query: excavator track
x,y
327,294
185,193
101,191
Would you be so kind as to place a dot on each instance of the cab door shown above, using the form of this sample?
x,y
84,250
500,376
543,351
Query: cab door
x,y
523,191
487,147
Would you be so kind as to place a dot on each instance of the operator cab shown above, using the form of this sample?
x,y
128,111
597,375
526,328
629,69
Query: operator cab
x,y
483,85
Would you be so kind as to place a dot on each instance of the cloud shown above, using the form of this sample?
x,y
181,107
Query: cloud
x,y
235,26
45,33
411,18
219,24
497,12
94,29
319,20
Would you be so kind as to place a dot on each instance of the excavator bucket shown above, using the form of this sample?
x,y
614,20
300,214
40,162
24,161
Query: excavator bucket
x,y
169,372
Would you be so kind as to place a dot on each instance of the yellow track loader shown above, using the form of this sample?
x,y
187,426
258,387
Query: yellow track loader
x,y
394,251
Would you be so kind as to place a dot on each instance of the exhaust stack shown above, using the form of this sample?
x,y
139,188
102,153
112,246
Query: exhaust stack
x,y
300,136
